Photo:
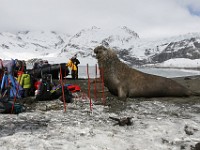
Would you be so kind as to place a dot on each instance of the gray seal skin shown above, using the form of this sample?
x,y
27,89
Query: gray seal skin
x,y
123,81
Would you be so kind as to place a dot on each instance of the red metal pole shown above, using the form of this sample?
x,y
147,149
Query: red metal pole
x,y
89,87
63,92
95,85
1,64
102,80
65,75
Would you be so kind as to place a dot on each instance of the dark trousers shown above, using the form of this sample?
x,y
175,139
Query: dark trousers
x,y
26,92
73,73
76,73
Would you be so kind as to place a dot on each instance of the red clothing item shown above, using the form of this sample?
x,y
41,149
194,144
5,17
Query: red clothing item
x,y
37,84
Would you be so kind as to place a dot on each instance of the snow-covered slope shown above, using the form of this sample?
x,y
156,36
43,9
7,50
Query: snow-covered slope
x,y
26,45
118,37
87,39
59,47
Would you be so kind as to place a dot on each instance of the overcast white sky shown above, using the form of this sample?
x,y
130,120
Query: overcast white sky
x,y
149,18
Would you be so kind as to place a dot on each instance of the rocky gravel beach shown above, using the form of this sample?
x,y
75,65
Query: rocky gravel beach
x,y
166,123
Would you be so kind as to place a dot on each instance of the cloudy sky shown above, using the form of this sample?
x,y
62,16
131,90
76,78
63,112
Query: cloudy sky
x,y
149,18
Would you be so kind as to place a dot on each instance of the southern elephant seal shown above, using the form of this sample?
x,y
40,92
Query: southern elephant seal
x,y
123,81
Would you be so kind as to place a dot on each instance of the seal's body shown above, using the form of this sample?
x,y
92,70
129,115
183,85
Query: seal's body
x,y
123,81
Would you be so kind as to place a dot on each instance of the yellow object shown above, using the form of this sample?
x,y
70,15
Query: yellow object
x,y
24,80
71,65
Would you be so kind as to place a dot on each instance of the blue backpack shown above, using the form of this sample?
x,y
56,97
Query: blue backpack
x,y
15,90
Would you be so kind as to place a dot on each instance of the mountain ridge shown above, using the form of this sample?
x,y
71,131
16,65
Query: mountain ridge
x,y
126,42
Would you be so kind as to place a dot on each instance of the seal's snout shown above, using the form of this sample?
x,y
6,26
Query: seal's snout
x,y
95,51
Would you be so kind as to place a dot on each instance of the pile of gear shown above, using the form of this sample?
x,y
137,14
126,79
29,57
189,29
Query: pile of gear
x,y
18,83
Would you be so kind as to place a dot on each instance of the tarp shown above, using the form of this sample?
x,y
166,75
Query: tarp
x,y
9,64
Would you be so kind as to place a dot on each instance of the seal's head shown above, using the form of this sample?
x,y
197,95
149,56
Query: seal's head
x,y
103,53
100,51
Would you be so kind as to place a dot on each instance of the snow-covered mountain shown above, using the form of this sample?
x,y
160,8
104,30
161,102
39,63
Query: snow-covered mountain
x,y
26,45
59,47
187,48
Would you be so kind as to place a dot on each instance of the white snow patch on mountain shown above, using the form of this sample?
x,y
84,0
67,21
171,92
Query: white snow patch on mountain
x,y
60,47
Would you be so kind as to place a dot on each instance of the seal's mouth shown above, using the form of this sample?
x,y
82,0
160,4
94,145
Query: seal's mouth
x,y
96,52
97,56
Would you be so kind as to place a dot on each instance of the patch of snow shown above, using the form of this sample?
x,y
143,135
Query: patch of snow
x,y
180,63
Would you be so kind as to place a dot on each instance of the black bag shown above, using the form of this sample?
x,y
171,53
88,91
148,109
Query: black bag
x,y
44,90
43,93
44,96
68,95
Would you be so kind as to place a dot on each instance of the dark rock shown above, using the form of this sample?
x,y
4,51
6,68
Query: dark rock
x,y
189,130
122,121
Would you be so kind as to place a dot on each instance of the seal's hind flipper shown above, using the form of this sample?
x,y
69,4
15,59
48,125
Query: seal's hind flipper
x,y
116,119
